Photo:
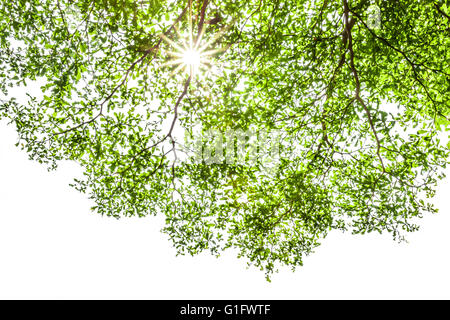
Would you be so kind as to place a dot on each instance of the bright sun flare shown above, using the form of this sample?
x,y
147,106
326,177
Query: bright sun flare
x,y
191,58
191,53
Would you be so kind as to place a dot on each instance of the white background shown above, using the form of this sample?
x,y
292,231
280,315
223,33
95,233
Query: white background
x,y
53,247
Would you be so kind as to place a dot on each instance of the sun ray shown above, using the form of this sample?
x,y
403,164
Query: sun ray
x,y
185,43
212,52
214,39
181,66
190,24
207,61
200,37
172,63
176,54
172,43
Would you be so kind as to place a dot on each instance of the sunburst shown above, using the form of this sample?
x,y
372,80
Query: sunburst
x,y
192,53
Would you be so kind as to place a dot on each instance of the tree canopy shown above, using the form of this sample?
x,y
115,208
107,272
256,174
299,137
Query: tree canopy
x,y
359,89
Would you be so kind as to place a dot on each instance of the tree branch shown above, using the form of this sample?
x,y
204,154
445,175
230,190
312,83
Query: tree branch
x,y
348,27
442,11
202,19
410,62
